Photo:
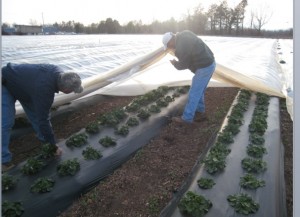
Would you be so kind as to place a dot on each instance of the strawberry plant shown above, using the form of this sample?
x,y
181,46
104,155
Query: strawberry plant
x,y
214,162
183,90
32,166
256,139
254,165
234,129
12,209
206,183
123,130
220,148
42,185
143,114
68,167
251,182
109,120
107,141
256,151
169,99
8,182
225,137
194,205
132,121
119,113
161,102
262,99
93,127
47,151
258,125
133,107
243,204
154,109
77,140
236,119
91,154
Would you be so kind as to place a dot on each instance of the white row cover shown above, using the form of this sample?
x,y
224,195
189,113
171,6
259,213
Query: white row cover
x,y
248,63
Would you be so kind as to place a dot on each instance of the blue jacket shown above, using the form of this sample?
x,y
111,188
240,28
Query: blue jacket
x,y
35,85
192,52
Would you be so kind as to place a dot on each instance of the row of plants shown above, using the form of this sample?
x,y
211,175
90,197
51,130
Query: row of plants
x,y
196,205
253,164
140,109
215,162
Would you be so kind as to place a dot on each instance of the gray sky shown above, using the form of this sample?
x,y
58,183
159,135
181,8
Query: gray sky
x,y
93,11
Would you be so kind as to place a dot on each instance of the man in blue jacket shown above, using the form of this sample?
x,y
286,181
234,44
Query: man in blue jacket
x,y
195,55
34,86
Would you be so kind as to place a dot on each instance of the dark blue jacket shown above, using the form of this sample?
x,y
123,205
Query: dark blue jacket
x,y
192,52
35,85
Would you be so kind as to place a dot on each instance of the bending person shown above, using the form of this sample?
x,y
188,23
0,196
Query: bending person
x,y
195,55
34,86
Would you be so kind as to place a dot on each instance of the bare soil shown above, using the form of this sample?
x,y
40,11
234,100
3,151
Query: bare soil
x,y
145,184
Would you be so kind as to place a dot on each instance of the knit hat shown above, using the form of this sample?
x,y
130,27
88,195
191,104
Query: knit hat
x,y
166,38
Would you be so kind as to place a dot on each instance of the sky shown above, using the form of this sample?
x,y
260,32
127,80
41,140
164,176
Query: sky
x,y
93,11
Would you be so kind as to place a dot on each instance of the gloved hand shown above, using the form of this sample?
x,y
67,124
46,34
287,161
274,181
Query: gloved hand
x,y
58,151
173,61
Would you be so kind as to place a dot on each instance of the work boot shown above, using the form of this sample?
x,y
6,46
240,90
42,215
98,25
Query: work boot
x,y
179,120
200,117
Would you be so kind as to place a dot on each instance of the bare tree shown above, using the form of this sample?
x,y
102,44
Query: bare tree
x,y
261,17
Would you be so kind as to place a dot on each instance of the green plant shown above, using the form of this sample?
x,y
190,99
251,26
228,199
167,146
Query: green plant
x,y
47,151
256,139
234,129
254,165
32,166
91,154
194,205
93,127
112,118
123,130
154,109
109,120
161,102
258,125
133,107
206,183
169,99
68,167
8,182
42,185
225,137
243,204
107,141
183,89
77,140
132,121
119,113
256,151
214,162
143,114
220,148
12,209
251,182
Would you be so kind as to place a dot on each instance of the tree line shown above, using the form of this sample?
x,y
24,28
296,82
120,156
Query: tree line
x,y
219,19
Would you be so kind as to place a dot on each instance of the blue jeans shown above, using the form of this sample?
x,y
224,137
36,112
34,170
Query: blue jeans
x,y
197,92
8,120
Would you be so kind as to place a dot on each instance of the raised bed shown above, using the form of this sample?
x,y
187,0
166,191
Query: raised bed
x,y
268,199
86,173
